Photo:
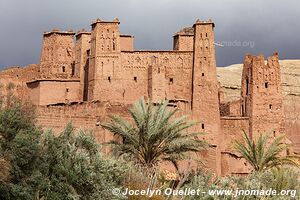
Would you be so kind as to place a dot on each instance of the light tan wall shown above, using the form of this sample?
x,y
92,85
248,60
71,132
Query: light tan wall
x,y
126,43
54,92
34,92
183,43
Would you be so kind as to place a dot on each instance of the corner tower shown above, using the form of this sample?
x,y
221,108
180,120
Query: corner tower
x,y
104,65
261,95
57,56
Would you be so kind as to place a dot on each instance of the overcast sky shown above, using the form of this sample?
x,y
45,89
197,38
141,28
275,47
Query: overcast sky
x,y
248,26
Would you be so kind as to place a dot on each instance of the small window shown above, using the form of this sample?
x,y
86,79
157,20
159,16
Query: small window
x,y
202,74
274,133
135,79
205,58
270,106
63,69
202,126
201,35
109,79
205,34
266,84
171,80
67,89
114,46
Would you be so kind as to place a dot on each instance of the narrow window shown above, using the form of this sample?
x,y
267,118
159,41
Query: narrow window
x,y
202,74
202,126
67,89
135,79
247,86
266,84
109,79
171,80
270,106
274,133
114,46
205,34
64,69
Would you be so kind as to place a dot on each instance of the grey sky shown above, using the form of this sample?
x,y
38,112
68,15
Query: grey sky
x,y
269,25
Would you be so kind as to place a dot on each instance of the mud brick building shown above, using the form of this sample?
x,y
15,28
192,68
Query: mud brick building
x,y
101,73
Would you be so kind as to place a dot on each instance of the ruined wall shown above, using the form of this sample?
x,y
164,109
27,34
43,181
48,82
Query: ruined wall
x,y
262,95
184,40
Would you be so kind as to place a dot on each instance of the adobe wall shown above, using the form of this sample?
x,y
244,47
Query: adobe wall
x,y
126,42
86,115
47,92
57,56
17,76
183,43
232,128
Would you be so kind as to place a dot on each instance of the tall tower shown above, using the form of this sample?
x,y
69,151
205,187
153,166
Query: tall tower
x,y
104,65
205,103
262,96
57,57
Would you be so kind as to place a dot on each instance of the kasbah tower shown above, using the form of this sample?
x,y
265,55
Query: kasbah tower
x,y
101,73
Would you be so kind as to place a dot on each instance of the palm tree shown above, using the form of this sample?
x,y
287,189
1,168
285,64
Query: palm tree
x,y
154,134
262,155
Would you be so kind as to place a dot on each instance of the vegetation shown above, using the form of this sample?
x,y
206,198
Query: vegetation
x,y
37,165
265,153
43,165
155,134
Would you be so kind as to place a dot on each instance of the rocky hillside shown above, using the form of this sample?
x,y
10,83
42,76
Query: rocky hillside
x,y
230,78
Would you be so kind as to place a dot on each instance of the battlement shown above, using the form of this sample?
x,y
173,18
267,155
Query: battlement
x,y
59,32
82,32
116,20
201,22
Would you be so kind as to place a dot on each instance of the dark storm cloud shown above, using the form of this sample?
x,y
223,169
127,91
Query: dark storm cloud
x,y
241,26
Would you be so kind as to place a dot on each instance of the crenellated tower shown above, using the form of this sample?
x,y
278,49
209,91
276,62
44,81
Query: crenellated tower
x,y
262,96
57,56
104,64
